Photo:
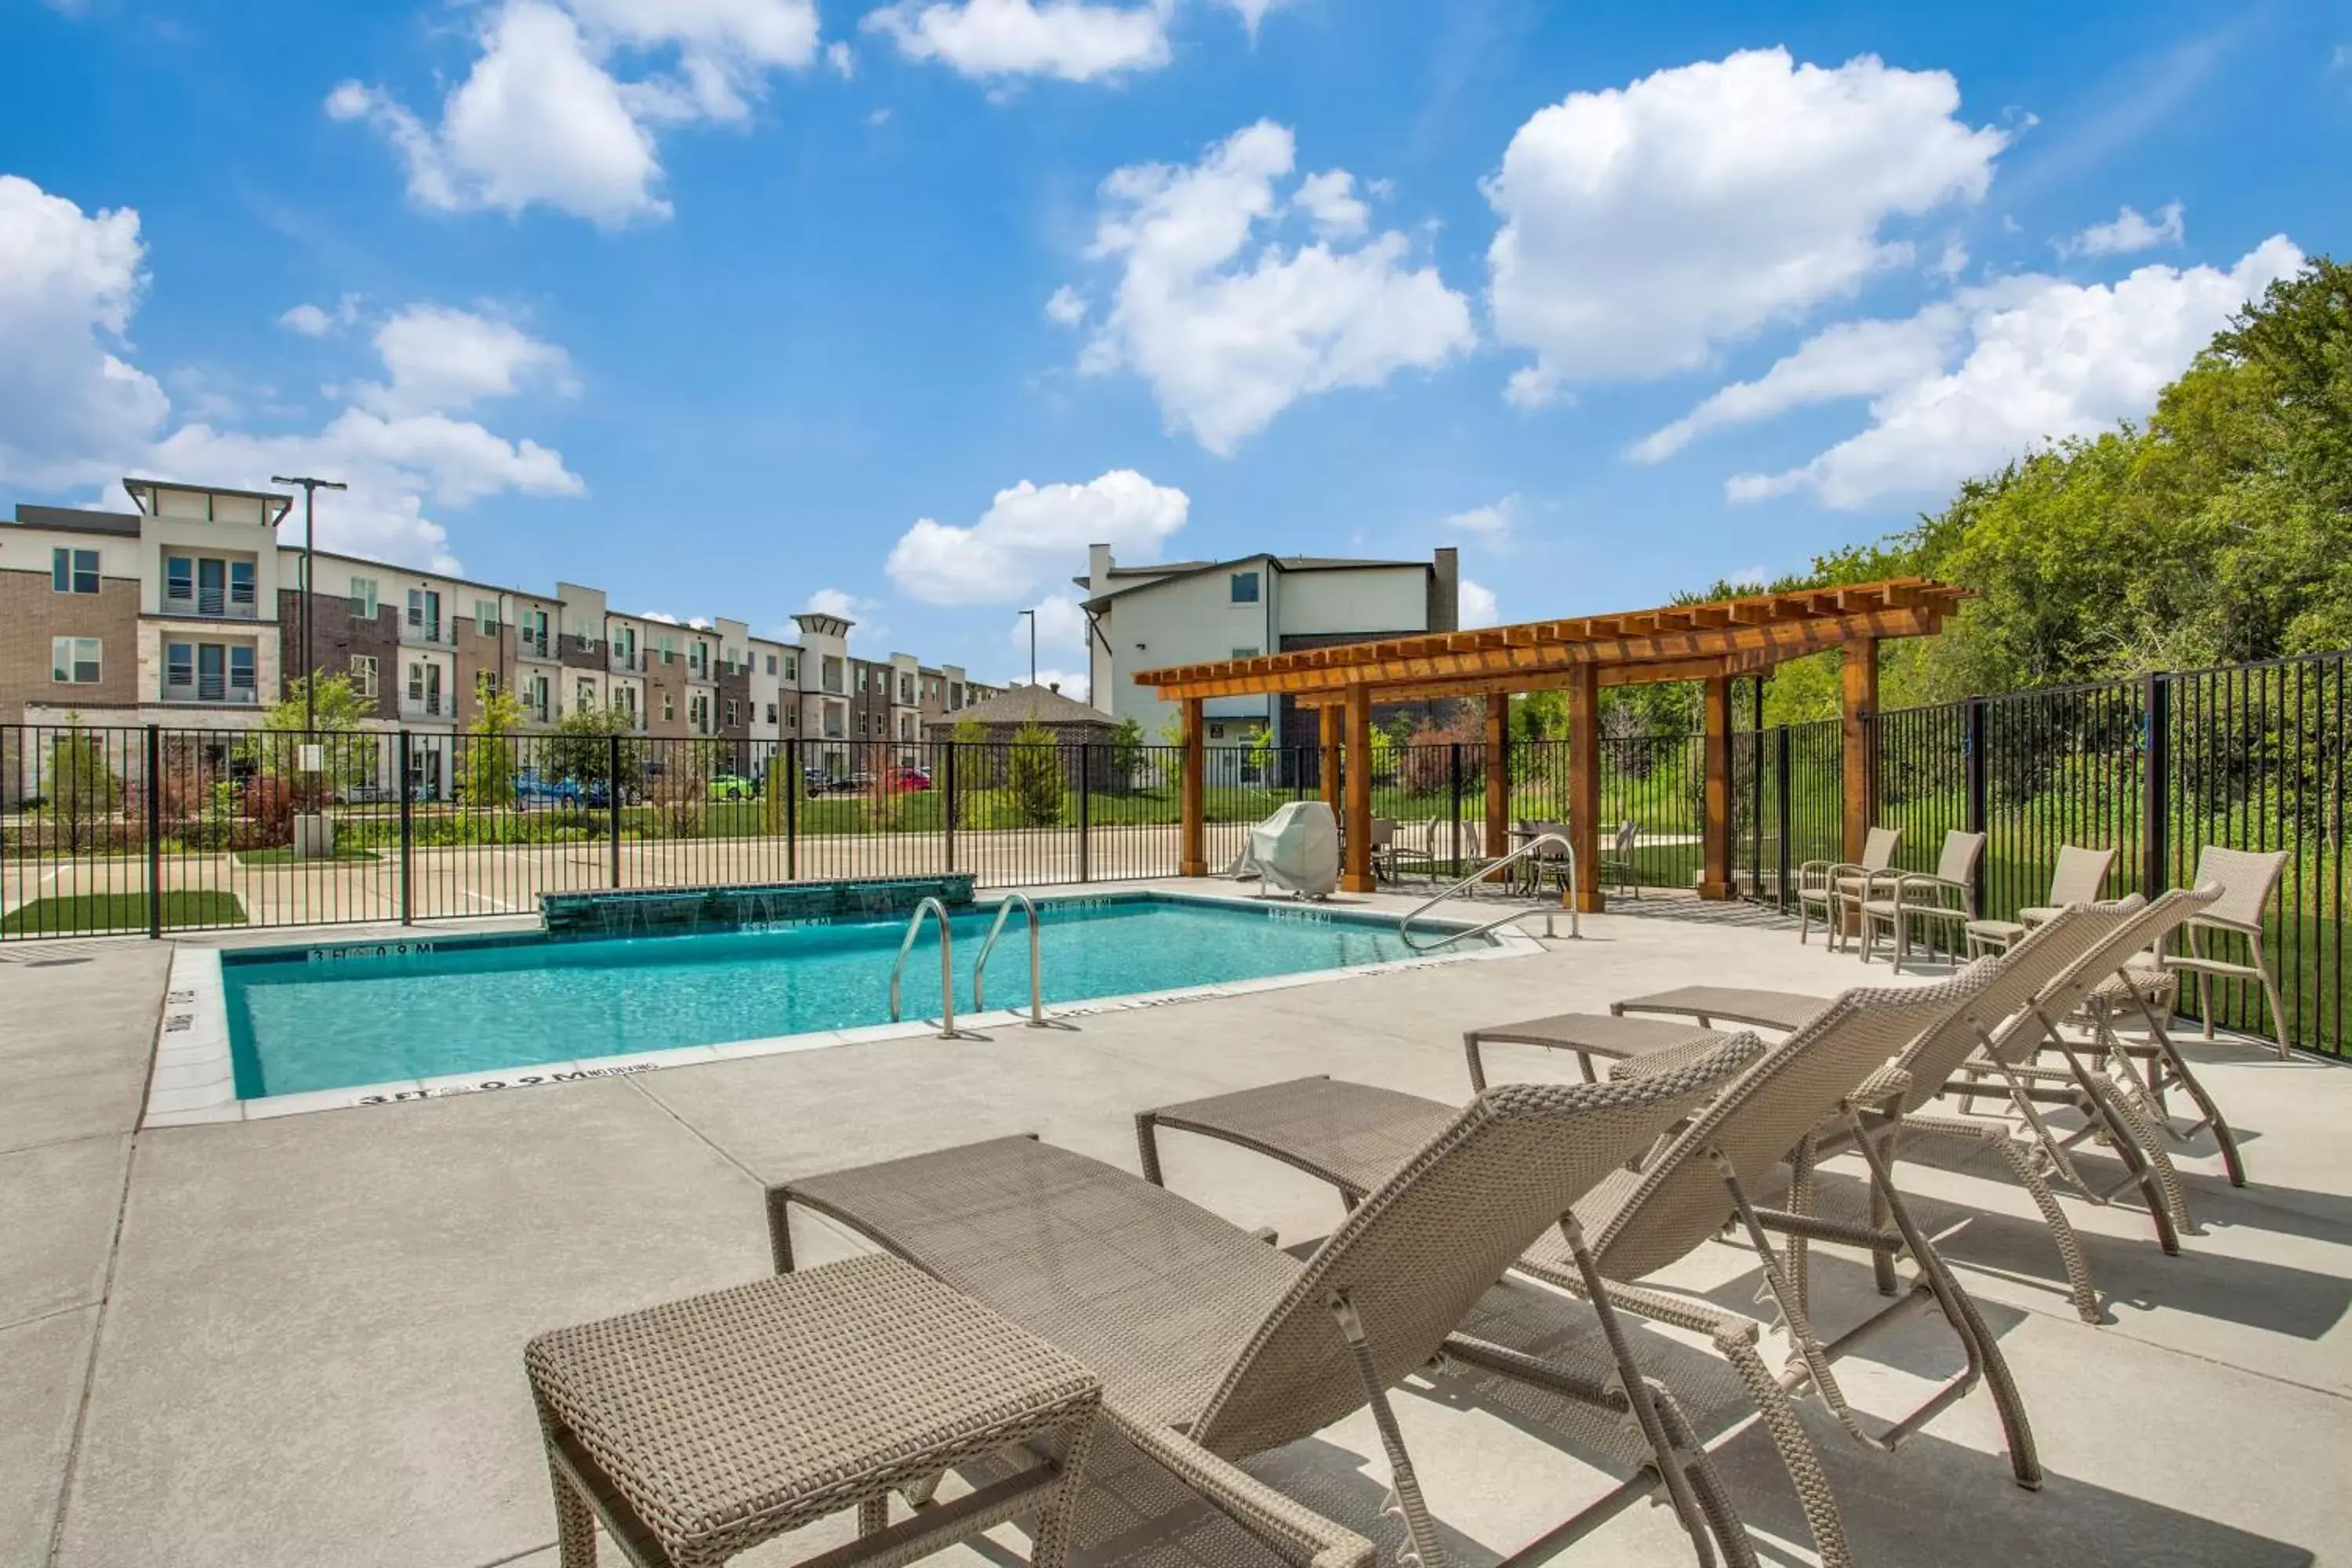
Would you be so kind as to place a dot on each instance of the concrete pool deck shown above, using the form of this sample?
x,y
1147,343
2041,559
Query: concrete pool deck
x,y
297,1341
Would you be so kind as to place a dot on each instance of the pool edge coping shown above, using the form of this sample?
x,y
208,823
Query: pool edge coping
x,y
193,1082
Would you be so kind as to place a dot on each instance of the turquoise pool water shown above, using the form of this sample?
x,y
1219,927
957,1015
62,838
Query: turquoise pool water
x,y
313,1018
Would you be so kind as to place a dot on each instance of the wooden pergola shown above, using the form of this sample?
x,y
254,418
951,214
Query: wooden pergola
x,y
1713,643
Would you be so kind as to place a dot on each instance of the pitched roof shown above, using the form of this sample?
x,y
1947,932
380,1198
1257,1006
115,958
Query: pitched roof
x,y
1025,705
1171,570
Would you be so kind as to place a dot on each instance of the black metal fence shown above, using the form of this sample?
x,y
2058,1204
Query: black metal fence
x,y
156,829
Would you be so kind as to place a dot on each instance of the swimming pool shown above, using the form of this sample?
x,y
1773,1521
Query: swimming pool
x,y
437,1015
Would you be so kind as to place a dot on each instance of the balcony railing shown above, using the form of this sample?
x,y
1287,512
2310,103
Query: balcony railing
x,y
626,663
533,645
210,605
435,705
435,634
212,690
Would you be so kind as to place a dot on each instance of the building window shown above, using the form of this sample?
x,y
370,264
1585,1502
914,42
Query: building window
x,y
861,726
240,669
1245,653
364,598
179,665
670,650
792,669
179,576
74,661
485,684
772,664
584,698
73,571
363,674
486,617
771,712
791,718
669,707
1244,587
697,713
240,583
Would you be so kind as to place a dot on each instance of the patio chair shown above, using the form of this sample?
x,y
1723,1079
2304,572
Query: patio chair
x,y
1897,900
1690,1189
1829,886
1617,859
2080,878
1549,863
2247,880
2059,978
1214,1346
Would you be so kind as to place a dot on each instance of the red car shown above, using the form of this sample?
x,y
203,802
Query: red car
x,y
910,778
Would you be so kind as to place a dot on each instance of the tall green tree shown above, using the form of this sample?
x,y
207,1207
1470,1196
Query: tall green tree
x,y
491,752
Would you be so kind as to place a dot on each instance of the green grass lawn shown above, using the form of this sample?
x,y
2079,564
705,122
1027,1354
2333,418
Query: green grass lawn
x,y
283,855
76,914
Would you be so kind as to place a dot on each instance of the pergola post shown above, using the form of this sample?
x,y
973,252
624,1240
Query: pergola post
x,y
1715,876
1858,693
1356,876
1499,777
1327,731
1193,858
1584,786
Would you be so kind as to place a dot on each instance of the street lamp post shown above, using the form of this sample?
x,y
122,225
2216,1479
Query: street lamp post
x,y
1032,645
310,488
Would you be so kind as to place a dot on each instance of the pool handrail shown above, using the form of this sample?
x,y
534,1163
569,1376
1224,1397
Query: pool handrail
x,y
1404,922
930,905
1005,905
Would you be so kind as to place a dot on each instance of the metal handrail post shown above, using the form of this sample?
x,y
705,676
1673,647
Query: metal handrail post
x,y
1004,908
947,965
1404,922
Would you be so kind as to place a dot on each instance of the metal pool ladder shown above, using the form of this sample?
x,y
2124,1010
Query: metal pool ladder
x,y
947,965
1404,922
1004,908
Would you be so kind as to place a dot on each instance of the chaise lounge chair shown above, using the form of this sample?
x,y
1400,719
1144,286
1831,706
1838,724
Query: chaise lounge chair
x,y
1214,1346
1642,1220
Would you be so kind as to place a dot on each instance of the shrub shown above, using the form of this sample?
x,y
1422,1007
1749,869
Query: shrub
x,y
1033,778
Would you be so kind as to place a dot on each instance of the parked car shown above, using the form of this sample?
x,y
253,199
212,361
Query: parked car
x,y
910,778
732,786
532,787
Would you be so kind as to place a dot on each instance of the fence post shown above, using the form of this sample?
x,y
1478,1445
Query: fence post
x,y
407,831
948,811
2155,789
1756,793
1787,818
793,809
1979,807
613,802
154,832
1085,811
1453,788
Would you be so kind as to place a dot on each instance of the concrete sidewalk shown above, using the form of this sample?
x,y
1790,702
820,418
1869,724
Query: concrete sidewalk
x,y
297,1341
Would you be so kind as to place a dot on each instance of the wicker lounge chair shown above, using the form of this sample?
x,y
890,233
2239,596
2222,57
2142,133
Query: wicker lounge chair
x,y
1696,1183
2113,1109
2081,879
1898,900
2246,881
1214,1346
1830,886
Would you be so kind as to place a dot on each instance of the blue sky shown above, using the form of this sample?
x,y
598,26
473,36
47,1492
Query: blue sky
x,y
732,306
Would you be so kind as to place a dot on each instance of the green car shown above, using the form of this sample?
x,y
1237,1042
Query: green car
x,y
732,786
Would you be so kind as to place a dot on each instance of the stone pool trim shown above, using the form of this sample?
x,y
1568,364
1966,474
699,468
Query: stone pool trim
x,y
193,1080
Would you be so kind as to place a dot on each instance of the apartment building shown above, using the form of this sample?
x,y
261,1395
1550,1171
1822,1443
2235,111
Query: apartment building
x,y
1185,611
188,613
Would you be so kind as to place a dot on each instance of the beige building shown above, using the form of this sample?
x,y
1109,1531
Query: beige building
x,y
188,613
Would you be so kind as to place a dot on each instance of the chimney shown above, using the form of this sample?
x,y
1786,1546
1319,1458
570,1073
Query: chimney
x,y
1099,566
1445,591
1054,687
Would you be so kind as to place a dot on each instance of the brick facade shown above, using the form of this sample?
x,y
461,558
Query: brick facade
x,y
32,613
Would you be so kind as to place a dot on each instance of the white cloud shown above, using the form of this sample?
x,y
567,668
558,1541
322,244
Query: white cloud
x,y
1492,523
844,64
1066,307
838,601
1253,11
2046,359
2129,233
72,414
1644,227
1947,267
1330,202
446,361
664,616
1031,531
1066,38
307,320
69,285
542,118
1852,359
1476,606
1230,328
